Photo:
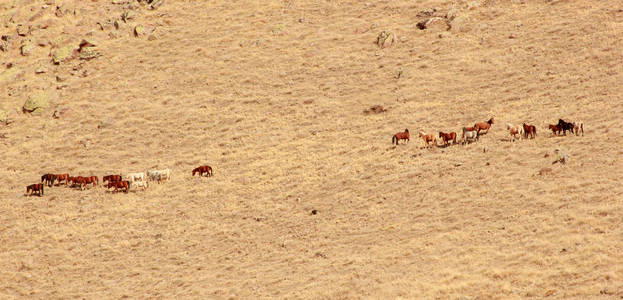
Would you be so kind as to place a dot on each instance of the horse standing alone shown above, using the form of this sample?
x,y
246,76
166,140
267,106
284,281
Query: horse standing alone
x,y
36,188
203,169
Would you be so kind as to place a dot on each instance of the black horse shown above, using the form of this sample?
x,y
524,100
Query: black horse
x,y
565,126
48,179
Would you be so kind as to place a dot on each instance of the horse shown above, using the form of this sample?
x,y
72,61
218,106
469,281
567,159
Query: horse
x,y
529,130
36,188
159,175
448,136
139,184
578,126
428,138
203,169
514,131
484,126
555,129
401,136
62,177
469,134
566,126
140,176
111,178
48,179
124,184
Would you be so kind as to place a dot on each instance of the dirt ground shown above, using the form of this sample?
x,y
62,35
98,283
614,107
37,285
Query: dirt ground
x,y
272,95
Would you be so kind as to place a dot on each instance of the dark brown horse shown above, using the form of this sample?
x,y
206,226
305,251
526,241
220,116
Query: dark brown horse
x,y
111,178
203,169
566,126
529,130
62,177
36,188
448,136
124,185
400,136
48,179
483,126
555,129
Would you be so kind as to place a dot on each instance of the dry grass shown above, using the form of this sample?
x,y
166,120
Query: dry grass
x,y
271,95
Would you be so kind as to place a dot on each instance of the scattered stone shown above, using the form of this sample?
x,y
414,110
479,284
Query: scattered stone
x,y
106,123
385,39
60,78
314,211
139,30
5,42
280,29
375,109
485,149
308,101
64,53
23,30
62,111
152,37
40,70
545,171
473,5
451,14
154,4
434,24
128,15
562,156
37,102
460,24
4,115
511,36
427,13
26,48
87,42
120,1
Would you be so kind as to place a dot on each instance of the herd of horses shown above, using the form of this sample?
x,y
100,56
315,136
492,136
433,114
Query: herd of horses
x,y
471,134
133,181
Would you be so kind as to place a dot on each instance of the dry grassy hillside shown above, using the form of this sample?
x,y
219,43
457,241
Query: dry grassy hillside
x,y
271,94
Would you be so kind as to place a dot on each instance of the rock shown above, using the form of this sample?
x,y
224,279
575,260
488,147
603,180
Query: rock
x,y
87,42
120,1
23,30
5,42
64,53
4,115
444,35
562,156
106,123
460,24
473,5
139,30
451,14
128,15
154,4
375,109
545,171
60,78
89,53
37,102
511,36
434,24
40,69
62,111
26,48
385,39
152,37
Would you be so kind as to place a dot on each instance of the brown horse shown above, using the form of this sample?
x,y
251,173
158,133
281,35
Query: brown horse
x,y
111,178
36,188
124,185
203,169
529,130
448,136
428,138
401,136
62,177
48,179
483,126
555,129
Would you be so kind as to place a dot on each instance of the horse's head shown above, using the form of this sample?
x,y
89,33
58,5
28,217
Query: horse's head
x,y
406,130
491,121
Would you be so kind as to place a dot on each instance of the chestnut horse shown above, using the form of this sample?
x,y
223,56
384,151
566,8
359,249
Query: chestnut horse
x,y
48,179
36,188
484,125
111,178
514,131
529,130
203,169
448,136
566,126
428,138
62,177
555,129
578,126
401,136
124,185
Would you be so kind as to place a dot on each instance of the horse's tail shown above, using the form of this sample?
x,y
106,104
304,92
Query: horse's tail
x,y
42,189
395,139
42,178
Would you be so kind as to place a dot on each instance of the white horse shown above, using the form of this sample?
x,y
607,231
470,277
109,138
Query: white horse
x,y
139,176
159,175
469,135
514,131
139,184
